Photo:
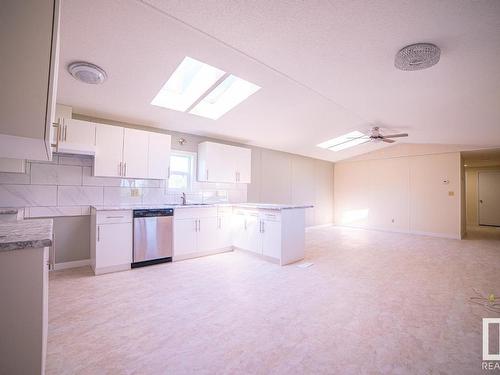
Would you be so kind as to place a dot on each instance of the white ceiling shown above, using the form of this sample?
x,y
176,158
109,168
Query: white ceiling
x,y
325,68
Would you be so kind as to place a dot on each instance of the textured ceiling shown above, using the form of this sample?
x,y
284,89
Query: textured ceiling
x,y
325,68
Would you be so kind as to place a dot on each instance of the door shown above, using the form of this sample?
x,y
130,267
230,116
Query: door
x,y
185,237
135,153
207,234
114,245
109,151
271,239
243,162
77,137
489,198
159,156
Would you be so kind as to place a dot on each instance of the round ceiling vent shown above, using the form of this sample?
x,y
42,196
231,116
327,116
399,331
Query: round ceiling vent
x,y
417,56
87,72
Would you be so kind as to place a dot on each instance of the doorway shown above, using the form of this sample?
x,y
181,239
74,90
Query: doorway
x,y
489,198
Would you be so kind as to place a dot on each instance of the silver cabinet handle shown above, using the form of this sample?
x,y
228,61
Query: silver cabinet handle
x,y
98,233
260,226
168,175
207,174
120,169
65,133
263,226
114,217
199,225
196,225
125,169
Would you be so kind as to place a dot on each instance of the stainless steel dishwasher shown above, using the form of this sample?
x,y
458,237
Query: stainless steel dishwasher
x,y
153,236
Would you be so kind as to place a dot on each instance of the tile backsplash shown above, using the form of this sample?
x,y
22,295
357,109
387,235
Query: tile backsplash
x,y
65,187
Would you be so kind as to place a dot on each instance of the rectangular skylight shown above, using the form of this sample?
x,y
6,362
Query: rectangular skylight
x,y
228,94
345,141
187,84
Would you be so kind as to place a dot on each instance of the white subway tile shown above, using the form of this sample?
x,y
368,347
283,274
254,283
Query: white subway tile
x,y
89,180
14,178
27,195
80,195
51,174
237,196
120,195
153,196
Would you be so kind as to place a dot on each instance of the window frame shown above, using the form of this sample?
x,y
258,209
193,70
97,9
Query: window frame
x,y
191,175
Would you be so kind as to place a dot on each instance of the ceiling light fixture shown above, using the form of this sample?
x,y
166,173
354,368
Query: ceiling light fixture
x,y
417,56
351,139
187,84
87,72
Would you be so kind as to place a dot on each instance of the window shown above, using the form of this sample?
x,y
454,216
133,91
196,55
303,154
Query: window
x,y
345,141
181,170
202,90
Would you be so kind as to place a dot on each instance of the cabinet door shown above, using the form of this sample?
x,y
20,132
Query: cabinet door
x,y
271,239
76,137
113,245
109,151
185,237
224,232
239,231
243,161
208,234
159,156
215,163
249,237
135,153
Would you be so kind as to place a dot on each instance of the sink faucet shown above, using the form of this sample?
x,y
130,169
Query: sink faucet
x,y
183,197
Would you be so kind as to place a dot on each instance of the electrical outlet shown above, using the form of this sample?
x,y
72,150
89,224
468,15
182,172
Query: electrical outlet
x,y
392,221
451,193
135,192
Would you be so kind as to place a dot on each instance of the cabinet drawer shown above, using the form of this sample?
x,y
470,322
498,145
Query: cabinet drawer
x,y
194,212
270,215
114,217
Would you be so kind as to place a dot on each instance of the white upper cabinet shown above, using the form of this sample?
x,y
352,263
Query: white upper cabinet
x,y
29,41
159,156
76,137
218,162
108,160
124,152
135,153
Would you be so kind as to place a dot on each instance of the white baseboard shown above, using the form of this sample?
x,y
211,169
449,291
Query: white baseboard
x,y
73,264
177,258
319,226
418,233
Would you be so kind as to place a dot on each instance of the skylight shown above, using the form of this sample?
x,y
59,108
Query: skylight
x,y
187,84
345,141
231,92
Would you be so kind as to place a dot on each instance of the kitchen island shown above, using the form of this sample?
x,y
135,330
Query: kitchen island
x,y
272,231
24,290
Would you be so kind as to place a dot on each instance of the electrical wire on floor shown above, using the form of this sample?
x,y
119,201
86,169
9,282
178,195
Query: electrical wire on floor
x,y
490,302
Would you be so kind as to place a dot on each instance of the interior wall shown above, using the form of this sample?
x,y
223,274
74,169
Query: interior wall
x,y
471,189
414,194
279,177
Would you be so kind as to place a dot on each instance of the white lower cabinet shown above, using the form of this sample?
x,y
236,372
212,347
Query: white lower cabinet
x,y
224,231
198,232
111,242
258,232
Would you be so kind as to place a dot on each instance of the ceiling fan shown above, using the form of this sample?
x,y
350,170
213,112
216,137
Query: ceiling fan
x,y
376,136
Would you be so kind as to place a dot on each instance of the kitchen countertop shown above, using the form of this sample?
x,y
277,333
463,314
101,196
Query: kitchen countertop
x,y
264,206
24,234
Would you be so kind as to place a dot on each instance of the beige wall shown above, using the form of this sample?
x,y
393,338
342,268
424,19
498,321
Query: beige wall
x,y
471,178
278,177
400,193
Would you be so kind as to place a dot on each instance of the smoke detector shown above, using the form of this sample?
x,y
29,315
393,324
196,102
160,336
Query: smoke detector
x,y
87,72
417,56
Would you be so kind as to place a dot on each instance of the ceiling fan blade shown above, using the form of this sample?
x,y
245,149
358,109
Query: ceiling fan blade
x,y
388,140
396,135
